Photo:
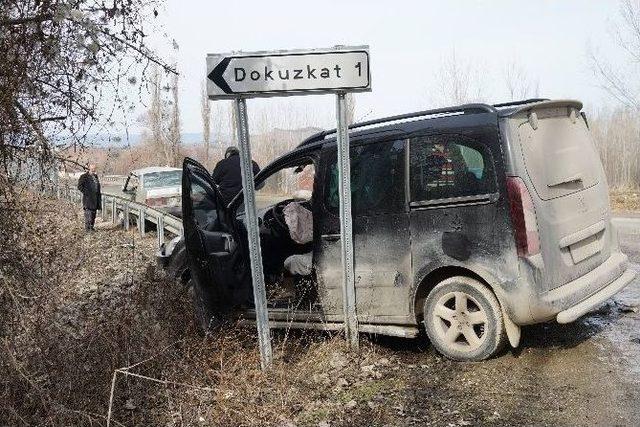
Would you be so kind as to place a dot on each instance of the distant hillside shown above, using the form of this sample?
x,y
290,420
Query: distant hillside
x,y
195,138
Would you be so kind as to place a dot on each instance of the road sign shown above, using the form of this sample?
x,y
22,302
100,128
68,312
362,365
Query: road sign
x,y
286,73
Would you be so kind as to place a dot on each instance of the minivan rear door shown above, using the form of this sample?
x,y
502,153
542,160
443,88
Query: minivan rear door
x,y
569,192
209,240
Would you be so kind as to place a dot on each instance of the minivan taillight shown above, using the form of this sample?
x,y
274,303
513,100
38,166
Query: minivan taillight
x,y
523,217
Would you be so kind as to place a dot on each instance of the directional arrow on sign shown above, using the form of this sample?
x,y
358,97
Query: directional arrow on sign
x,y
216,75
282,73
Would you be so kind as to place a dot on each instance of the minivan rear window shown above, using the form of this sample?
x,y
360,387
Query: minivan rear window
x,y
559,155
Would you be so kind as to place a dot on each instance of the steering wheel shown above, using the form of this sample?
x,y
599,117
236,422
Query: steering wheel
x,y
277,213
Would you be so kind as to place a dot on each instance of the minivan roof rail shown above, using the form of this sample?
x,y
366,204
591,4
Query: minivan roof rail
x,y
461,109
521,102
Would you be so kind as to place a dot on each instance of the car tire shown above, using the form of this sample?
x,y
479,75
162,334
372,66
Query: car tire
x,y
206,317
463,320
177,266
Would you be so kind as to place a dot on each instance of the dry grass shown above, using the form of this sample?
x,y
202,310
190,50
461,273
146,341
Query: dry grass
x,y
77,307
625,201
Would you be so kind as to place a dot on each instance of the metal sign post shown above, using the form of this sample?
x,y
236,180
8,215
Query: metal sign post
x,y
346,230
242,75
251,220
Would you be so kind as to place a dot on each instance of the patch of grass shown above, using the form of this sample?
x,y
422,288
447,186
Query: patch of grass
x,y
314,416
79,306
625,200
365,392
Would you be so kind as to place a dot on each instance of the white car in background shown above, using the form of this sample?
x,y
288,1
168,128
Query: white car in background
x,y
159,187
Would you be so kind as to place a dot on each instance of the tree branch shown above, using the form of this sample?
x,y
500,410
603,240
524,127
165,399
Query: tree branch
x,y
26,20
32,123
142,52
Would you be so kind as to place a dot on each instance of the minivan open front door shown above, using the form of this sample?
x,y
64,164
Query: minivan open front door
x,y
209,239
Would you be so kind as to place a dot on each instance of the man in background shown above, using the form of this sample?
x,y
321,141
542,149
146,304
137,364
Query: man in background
x,y
89,186
228,176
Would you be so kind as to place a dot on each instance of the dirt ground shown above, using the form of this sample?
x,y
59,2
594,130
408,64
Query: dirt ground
x,y
109,313
585,373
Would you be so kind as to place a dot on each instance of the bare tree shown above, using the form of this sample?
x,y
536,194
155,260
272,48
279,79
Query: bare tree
x,y
173,132
62,69
518,83
617,135
163,119
622,81
205,112
458,81
156,114
68,69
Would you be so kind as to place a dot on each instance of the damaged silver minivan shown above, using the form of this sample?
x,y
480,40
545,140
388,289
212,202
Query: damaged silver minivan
x,y
468,221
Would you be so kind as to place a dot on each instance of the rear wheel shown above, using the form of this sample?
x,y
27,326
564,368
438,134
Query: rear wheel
x,y
463,320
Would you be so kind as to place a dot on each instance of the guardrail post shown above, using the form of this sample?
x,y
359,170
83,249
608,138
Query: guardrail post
x,y
126,216
114,211
160,230
141,222
104,207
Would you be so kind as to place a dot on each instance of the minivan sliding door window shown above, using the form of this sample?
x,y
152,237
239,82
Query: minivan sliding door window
x,y
377,179
449,169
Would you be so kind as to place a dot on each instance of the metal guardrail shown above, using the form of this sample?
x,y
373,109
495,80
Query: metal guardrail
x,y
113,205
113,179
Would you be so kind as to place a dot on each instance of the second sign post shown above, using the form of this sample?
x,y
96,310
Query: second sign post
x,y
287,73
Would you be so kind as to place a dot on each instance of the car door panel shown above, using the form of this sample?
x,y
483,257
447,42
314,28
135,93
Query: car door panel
x,y
458,216
210,242
381,233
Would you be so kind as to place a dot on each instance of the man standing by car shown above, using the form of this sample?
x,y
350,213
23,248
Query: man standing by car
x,y
89,186
228,176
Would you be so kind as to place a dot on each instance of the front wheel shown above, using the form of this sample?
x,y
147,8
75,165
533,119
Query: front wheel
x,y
463,320
206,317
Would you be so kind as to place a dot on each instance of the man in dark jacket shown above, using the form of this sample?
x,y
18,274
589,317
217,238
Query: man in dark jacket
x,y
228,176
89,186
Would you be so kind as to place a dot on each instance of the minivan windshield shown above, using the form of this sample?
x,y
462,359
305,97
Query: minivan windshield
x,y
559,155
295,182
163,179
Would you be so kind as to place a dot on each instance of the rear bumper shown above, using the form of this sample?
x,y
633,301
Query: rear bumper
x,y
571,314
572,300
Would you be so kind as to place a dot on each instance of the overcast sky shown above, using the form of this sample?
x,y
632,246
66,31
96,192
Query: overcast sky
x,y
408,42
